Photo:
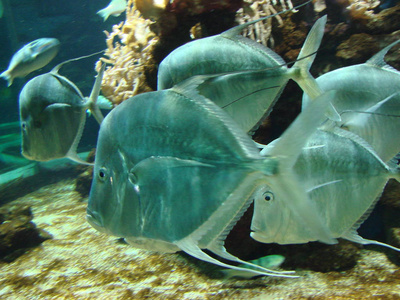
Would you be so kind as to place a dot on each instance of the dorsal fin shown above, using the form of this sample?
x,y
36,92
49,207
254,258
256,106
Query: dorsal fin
x,y
238,29
378,60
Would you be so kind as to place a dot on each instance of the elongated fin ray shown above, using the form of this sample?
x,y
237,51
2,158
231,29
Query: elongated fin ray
x,y
224,254
189,246
354,237
92,100
58,67
72,152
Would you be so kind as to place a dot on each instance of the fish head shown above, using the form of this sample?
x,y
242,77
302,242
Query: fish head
x,y
275,222
114,195
43,50
51,118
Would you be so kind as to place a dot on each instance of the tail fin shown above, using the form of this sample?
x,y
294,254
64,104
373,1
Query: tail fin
x,y
7,77
104,13
301,69
287,150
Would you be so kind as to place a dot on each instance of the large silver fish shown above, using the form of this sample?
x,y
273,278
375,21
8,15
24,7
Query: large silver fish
x,y
31,57
344,177
176,173
52,114
368,100
247,96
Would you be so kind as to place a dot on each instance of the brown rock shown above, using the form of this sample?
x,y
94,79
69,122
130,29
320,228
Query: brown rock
x,y
358,48
18,233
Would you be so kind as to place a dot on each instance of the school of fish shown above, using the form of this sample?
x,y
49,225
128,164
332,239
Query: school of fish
x,y
176,168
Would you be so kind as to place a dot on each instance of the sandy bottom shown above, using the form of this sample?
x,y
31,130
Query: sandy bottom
x,y
81,263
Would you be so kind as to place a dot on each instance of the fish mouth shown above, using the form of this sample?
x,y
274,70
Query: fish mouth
x,y
94,222
27,155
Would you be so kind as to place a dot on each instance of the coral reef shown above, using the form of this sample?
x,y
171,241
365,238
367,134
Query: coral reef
x,y
129,57
255,9
18,233
362,10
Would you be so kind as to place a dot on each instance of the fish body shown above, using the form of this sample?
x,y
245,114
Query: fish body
x,y
31,57
344,178
163,184
240,75
52,116
114,8
368,101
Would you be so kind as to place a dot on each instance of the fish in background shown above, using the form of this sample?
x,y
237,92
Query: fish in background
x,y
345,164
344,177
52,115
166,185
31,57
247,96
368,102
114,8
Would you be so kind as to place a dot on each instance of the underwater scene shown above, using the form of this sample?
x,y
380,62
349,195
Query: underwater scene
x,y
200,149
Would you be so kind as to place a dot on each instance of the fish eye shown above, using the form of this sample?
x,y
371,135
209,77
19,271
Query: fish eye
x,y
133,178
23,125
268,196
102,174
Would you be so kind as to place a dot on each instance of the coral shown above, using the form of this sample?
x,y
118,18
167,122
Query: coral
x,y
255,9
362,10
129,57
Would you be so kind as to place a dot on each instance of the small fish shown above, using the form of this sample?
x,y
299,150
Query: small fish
x,y
165,185
31,57
344,178
368,101
114,8
268,262
247,96
52,115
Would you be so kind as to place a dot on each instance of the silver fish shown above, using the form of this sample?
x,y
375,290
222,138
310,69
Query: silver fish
x,y
368,101
31,57
52,115
344,178
247,96
114,8
166,185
